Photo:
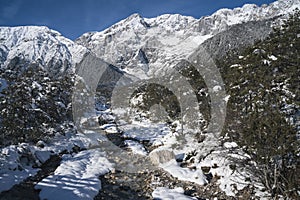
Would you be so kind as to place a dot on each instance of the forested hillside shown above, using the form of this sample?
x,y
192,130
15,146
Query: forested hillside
x,y
263,110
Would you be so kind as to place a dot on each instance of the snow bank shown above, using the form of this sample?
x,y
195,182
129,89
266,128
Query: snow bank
x,y
136,147
169,194
77,177
184,174
14,167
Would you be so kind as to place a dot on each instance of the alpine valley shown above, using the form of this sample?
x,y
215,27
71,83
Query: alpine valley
x,y
170,107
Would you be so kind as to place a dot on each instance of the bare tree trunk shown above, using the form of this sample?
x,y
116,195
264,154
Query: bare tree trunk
x,y
275,176
266,179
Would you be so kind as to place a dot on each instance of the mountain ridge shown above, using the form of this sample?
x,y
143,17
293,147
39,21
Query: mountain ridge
x,y
168,38
255,156
39,44
162,40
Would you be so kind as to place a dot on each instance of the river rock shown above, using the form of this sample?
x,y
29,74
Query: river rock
x,y
161,156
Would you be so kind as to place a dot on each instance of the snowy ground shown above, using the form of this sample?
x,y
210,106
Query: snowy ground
x,y
218,158
14,168
77,176
170,194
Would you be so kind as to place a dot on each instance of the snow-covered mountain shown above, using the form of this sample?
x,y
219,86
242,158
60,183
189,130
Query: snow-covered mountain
x,y
41,45
141,46
145,46
36,107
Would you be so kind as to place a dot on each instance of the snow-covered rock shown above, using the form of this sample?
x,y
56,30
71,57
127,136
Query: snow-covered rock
x,y
161,156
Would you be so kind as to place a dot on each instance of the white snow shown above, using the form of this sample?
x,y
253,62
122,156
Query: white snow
x,y
217,88
10,178
137,101
229,145
164,193
146,131
110,128
235,65
226,99
136,147
39,43
219,161
13,169
251,12
184,174
266,62
171,37
77,177
272,57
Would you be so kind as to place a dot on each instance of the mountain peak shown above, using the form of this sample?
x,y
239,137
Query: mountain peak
x,y
251,12
172,36
171,21
134,22
38,43
134,16
15,35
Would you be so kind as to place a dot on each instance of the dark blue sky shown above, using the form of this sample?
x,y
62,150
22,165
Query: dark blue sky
x,y
75,17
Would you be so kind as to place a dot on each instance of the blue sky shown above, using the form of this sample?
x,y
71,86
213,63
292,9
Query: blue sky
x,y
75,17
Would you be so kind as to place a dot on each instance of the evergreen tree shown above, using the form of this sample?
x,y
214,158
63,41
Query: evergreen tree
x,y
262,110
34,105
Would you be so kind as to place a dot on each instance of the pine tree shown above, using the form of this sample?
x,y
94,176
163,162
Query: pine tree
x,y
35,105
264,99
